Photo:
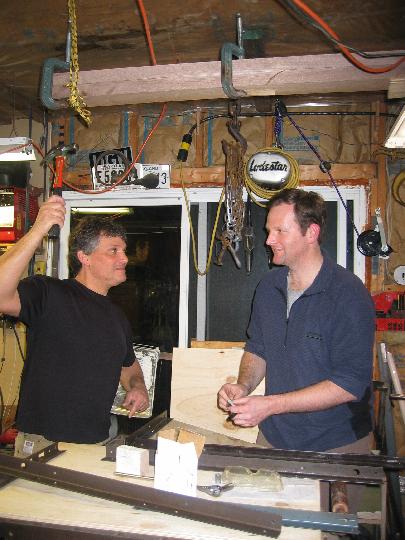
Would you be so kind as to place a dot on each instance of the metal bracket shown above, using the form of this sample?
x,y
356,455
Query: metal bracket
x,y
229,50
48,69
50,65
386,250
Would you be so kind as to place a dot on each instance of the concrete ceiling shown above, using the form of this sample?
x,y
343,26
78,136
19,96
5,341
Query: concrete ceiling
x,y
111,35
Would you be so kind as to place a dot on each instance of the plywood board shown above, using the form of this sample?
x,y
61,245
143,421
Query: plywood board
x,y
25,500
197,375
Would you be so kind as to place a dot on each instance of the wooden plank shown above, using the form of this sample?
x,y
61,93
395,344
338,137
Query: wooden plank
x,y
202,80
342,173
217,344
197,375
198,176
268,131
25,500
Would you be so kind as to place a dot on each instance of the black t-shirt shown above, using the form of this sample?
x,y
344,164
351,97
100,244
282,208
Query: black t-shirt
x,y
77,343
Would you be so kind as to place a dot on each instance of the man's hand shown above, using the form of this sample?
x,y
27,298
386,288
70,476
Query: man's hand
x,y
136,400
250,411
228,393
51,212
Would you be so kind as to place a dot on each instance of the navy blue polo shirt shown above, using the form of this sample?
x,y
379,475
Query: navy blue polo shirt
x,y
329,335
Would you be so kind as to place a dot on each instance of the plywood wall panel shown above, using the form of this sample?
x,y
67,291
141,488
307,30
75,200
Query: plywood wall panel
x,y
197,375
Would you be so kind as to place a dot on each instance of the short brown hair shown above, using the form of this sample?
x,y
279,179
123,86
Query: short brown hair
x,y
309,207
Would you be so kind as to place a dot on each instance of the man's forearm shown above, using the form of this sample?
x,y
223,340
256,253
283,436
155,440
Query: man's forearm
x,y
14,262
317,397
132,377
252,370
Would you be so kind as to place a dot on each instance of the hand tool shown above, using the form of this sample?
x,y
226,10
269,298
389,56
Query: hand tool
x,y
58,154
215,489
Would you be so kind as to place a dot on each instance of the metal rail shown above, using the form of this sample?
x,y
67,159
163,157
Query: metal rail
x,y
236,516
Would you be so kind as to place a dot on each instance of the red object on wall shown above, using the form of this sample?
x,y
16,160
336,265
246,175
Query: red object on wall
x,y
12,213
390,311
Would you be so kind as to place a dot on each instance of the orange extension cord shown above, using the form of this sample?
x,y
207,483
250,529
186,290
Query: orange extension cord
x,y
344,50
152,131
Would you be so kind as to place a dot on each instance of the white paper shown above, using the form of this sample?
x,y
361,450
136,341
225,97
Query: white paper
x,y
176,467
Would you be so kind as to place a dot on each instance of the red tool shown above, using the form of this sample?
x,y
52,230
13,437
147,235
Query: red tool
x,y
58,153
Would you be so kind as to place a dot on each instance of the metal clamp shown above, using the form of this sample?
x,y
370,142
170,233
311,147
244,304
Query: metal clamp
x,y
229,50
215,490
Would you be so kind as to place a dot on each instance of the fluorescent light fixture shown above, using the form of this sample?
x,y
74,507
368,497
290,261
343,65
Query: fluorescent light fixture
x,y
16,149
103,210
396,137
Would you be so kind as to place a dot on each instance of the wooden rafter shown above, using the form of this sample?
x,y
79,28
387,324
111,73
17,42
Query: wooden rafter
x,y
326,73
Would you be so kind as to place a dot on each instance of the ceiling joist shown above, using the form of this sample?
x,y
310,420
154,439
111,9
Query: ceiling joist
x,y
328,73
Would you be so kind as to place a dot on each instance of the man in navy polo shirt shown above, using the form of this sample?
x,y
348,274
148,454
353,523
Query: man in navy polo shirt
x,y
311,336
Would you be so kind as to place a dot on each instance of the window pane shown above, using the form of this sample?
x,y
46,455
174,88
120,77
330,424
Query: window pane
x,y
229,289
150,295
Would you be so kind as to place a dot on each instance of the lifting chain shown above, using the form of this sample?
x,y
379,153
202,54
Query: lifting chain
x,y
231,235
75,99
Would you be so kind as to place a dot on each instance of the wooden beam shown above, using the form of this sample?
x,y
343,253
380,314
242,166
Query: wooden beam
x,y
351,174
202,80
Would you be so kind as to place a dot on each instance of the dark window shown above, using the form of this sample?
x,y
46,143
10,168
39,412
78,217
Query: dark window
x,y
150,295
229,290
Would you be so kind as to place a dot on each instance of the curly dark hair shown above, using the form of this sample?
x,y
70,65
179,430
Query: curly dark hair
x,y
309,207
86,235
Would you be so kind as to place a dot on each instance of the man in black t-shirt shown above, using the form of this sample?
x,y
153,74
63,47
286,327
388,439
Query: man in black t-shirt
x,y
79,344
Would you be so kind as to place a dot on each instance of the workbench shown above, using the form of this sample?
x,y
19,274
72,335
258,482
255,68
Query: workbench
x,y
52,510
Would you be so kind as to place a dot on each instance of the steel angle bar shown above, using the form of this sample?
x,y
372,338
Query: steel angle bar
x,y
29,530
142,434
385,461
236,516
43,455
325,471
323,521
365,460
307,469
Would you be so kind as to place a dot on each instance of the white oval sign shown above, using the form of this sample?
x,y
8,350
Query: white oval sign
x,y
269,168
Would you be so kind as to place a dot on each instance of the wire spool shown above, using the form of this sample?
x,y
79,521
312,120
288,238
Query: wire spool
x,y
269,171
369,243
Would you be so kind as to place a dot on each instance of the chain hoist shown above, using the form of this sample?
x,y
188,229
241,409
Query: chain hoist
x,y
231,234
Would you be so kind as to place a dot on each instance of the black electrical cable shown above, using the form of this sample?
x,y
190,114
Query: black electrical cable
x,y
182,154
325,167
248,114
304,16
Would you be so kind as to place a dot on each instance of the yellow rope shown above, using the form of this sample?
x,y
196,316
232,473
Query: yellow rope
x,y
264,193
75,99
209,260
